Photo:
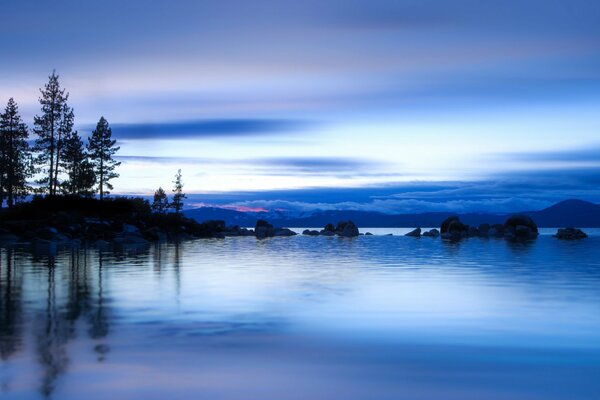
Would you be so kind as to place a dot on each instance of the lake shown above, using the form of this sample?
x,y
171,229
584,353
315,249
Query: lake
x,y
374,317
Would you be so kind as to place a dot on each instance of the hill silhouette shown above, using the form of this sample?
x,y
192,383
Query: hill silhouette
x,y
572,212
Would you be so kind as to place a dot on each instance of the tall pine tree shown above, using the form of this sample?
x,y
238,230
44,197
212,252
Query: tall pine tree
x,y
101,149
76,164
178,195
15,156
160,203
51,126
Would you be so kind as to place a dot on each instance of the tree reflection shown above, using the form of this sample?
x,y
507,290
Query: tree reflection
x,y
84,299
10,305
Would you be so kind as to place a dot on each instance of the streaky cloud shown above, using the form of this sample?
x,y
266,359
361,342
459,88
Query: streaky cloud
x,y
208,128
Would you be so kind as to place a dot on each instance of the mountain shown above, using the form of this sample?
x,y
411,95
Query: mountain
x,y
578,213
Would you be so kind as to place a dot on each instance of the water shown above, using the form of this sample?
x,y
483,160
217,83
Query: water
x,y
376,317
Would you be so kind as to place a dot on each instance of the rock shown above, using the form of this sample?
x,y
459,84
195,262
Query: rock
x,y
237,231
263,229
308,232
329,228
453,229
414,233
347,229
432,233
263,232
570,234
368,234
520,226
261,223
447,222
284,232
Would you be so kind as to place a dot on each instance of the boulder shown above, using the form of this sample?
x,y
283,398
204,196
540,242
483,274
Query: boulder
x,y
261,223
414,233
432,233
447,222
570,234
453,229
326,233
347,229
308,232
263,229
520,226
283,232
368,234
329,228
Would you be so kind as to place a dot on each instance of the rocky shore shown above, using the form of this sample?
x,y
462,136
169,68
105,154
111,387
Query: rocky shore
x,y
129,221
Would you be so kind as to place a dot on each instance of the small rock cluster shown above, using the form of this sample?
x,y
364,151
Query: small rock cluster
x,y
343,229
417,233
570,234
263,230
516,227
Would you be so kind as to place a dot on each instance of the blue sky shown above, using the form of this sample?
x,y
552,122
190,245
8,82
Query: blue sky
x,y
396,106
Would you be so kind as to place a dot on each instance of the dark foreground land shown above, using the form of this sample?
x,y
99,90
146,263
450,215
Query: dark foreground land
x,y
118,220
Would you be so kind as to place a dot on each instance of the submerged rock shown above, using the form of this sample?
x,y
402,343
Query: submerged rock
x,y
414,233
570,234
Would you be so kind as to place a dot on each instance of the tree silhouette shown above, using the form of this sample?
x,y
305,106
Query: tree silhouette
x,y
160,202
54,123
15,159
79,169
101,148
178,194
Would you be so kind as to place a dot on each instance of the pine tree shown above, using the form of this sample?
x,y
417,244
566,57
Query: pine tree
x,y
101,148
178,194
15,154
75,163
161,202
51,126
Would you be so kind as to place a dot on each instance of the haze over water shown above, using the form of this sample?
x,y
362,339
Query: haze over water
x,y
379,317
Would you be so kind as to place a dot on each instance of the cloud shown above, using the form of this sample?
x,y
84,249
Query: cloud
x,y
590,154
272,165
207,128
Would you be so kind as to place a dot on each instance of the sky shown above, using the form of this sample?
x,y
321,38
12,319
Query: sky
x,y
392,106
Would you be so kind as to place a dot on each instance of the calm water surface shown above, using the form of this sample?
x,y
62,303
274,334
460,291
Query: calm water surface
x,y
375,317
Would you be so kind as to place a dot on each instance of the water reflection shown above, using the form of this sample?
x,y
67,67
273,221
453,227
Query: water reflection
x,y
238,302
11,308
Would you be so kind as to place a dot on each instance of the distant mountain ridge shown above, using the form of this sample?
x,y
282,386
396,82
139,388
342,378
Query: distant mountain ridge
x,y
577,213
